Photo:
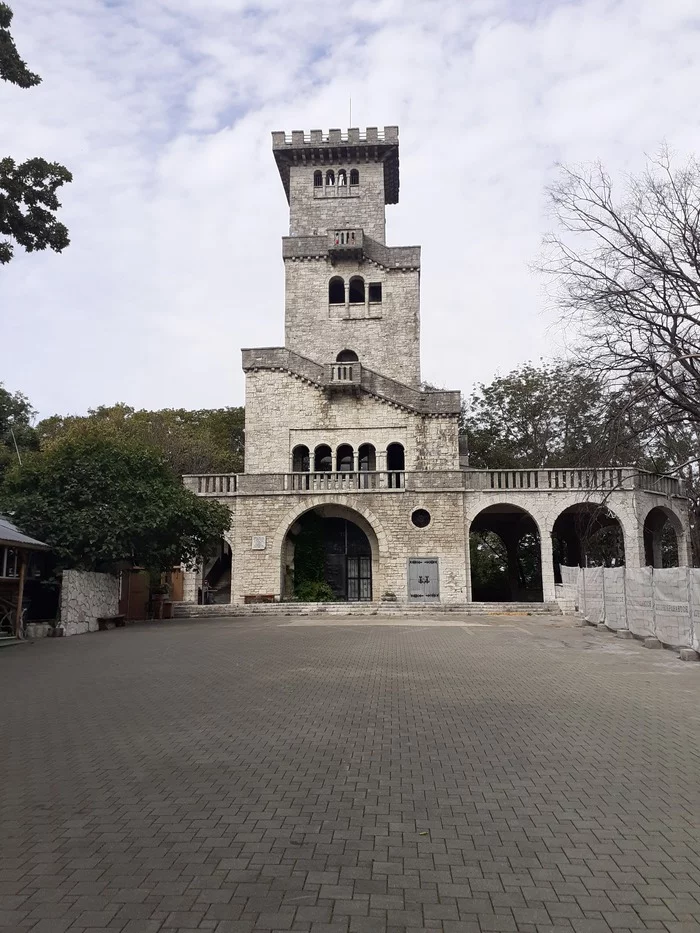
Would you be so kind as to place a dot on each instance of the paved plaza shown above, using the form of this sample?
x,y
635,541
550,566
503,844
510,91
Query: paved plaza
x,y
505,774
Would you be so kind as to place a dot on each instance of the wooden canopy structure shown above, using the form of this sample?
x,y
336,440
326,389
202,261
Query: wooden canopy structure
x,y
13,541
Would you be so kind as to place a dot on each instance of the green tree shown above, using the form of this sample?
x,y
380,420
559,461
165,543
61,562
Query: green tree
x,y
203,441
16,432
28,198
102,502
554,414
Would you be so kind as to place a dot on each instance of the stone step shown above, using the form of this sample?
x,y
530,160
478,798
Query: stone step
x,y
193,611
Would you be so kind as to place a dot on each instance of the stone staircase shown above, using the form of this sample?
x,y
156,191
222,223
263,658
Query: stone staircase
x,y
225,610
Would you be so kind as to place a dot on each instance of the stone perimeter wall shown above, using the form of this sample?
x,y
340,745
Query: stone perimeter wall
x,y
85,597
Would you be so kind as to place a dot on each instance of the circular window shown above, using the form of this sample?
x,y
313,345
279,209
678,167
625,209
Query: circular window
x,y
421,518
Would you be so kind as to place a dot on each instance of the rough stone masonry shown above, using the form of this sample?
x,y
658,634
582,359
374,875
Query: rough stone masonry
x,y
337,421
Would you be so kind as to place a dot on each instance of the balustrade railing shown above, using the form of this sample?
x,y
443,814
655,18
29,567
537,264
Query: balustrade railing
x,y
344,481
609,479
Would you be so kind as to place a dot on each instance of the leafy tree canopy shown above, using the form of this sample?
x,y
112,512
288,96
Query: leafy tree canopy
x,y
554,414
28,196
101,502
205,441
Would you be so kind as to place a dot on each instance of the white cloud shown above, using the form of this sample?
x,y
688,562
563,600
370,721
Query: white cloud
x,y
163,110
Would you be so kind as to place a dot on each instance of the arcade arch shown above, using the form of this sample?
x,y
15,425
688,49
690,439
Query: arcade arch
x,y
505,552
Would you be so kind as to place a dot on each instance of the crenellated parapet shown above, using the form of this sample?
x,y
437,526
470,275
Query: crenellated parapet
x,y
340,147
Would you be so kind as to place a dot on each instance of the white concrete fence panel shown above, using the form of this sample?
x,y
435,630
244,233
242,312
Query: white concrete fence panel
x,y
664,604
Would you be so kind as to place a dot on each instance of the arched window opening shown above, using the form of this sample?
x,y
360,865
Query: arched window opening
x,y
318,179
336,291
330,177
346,356
323,459
354,177
367,458
661,535
395,457
357,290
344,459
342,178
395,465
300,459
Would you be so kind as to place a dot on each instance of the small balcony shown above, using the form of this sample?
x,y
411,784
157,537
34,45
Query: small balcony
x,y
342,376
345,243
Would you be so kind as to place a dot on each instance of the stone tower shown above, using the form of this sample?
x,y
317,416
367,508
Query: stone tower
x,y
345,290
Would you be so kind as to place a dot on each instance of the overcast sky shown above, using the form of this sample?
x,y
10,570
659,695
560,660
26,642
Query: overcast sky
x,y
163,110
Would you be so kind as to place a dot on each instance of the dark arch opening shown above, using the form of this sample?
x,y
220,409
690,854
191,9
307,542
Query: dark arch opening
x,y
504,548
330,177
354,176
344,458
323,459
661,538
346,356
318,179
328,556
587,535
395,465
300,459
357,290
367,463
336,291
342,178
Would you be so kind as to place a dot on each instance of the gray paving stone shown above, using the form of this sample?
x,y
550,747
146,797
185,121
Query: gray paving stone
x,y
251,775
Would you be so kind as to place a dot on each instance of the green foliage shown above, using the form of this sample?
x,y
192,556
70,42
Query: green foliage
x,y
101,502
554,414
314,591
205,441
27,202
28,190
309,558
15,419
12,68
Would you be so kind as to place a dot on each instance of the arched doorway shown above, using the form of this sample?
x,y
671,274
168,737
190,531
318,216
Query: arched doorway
x,y
662,532
504,547
327,556
587,534
216,576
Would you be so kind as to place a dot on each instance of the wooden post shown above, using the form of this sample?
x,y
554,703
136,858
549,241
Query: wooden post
x,y
20,591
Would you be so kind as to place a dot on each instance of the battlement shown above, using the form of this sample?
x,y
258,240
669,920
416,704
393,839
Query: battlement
x,y
354,136
340,147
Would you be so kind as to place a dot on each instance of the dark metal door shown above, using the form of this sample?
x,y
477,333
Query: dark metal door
x,y
423,579
359,578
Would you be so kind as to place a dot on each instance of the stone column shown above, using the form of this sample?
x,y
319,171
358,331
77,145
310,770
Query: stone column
x,y
547,566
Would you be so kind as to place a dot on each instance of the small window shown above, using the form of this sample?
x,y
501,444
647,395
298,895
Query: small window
x,y
354,177
300,459
421,518
323,460
336,291
342,178
318,179
357,290
375,292
330,178
346,356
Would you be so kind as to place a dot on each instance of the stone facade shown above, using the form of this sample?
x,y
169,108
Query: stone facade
x,y
85,598
337,424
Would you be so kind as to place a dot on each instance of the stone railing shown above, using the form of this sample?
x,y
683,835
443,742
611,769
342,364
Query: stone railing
x,y
611,479
212,484
388,257
345,241
341,375
344,481
427,403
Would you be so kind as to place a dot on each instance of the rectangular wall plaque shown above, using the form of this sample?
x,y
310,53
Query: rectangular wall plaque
x,y
259,542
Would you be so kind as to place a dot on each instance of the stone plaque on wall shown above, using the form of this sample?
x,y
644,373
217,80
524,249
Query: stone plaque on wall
x,y
259,542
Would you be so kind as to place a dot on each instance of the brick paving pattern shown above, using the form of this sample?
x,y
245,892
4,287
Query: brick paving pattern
x,y
527,775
